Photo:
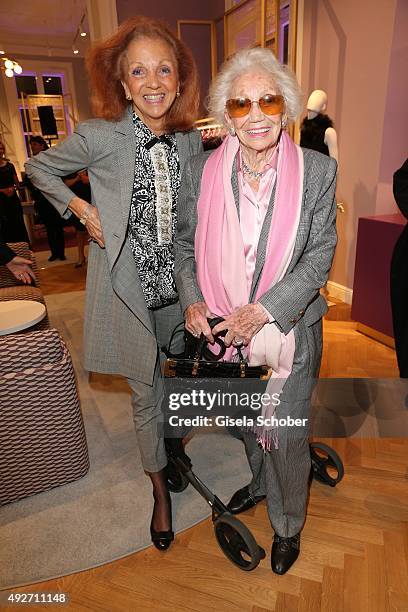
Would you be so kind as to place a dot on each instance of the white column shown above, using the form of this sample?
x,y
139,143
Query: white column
x,y
102,18
12,129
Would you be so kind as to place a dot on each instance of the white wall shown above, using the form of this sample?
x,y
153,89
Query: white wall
x,y
355,51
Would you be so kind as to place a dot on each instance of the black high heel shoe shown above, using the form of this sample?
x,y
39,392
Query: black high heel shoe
x,y
162,539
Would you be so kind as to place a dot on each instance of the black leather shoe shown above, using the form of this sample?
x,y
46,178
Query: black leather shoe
x,y
242,500
175,450
284,553
174,478
162,539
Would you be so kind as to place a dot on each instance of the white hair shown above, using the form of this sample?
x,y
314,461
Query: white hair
x,y
250,61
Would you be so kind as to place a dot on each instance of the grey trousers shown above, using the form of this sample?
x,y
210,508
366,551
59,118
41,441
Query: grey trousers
x,y
147,400
282,474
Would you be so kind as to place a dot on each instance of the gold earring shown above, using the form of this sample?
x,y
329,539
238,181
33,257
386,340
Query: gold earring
x,y
128,97
177,94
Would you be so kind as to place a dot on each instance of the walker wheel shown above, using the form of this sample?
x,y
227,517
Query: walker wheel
x,y
237,542
327,467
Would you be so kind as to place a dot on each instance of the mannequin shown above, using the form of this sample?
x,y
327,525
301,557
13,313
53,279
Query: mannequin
x,y
317,131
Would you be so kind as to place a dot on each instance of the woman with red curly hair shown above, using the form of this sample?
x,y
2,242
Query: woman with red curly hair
x,y
145,94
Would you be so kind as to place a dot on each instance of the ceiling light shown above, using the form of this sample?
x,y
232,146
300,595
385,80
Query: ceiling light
x,y
81,30
2,52
9,66
76,51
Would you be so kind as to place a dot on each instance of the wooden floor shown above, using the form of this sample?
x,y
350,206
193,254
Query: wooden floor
x,y
354,547
62,279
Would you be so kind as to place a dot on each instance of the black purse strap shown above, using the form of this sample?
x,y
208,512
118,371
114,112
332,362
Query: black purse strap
x,y
204,352
167,349
198,347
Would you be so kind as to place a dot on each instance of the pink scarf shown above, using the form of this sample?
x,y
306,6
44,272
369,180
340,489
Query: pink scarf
x,y
220,258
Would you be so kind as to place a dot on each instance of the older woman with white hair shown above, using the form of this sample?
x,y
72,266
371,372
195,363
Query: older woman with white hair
x,y
255,242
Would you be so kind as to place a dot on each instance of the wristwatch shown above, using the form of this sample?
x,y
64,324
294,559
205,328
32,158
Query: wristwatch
x,y
84,217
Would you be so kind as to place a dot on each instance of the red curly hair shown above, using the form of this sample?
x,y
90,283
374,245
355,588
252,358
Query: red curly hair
x,y
105,68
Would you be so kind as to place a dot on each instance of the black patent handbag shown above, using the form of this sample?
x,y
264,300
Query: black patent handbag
x,y
198,361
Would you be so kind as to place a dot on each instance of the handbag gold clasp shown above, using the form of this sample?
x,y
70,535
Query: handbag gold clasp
x,y
196,365
170,368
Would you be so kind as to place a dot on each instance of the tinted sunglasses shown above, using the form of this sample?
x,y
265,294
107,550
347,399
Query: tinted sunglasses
x,y
270,104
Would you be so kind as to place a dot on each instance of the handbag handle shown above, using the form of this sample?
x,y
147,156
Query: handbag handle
x,y
167,349
205,352
196,347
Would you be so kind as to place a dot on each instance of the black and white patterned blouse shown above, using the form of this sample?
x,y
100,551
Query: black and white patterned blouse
x,y
153,214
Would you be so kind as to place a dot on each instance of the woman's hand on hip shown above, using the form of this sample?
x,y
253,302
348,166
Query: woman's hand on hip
x,y
94,227
196,320
93,223
243,324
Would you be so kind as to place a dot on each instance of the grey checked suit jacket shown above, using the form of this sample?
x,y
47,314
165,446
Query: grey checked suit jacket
x,y
295,301
118,332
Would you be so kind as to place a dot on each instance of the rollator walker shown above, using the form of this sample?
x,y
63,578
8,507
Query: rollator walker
x,y
234,538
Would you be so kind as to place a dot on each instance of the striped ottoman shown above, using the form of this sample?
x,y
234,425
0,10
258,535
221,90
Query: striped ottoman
x,y
42,436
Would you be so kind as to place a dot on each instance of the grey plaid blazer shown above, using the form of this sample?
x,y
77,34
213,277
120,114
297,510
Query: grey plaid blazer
x,y
118,333
295,301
